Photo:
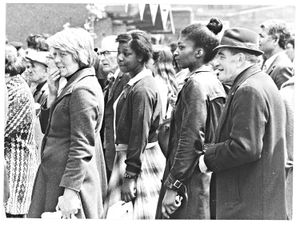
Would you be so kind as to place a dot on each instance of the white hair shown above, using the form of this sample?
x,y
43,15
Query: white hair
x,y
76,41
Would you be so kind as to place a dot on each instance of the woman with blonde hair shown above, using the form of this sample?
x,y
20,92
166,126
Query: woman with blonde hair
x,y
71,177
164,73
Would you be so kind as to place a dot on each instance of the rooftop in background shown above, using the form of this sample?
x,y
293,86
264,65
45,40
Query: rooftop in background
x,y
104,20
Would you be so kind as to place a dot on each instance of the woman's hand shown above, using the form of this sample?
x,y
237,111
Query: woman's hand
x,y
128,190
69,203
53,80
169,204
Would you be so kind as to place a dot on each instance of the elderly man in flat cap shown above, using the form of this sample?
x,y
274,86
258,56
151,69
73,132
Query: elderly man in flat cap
x,y
39,65
248,156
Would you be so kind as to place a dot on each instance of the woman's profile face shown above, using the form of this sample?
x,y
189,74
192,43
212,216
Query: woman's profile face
x,y
185,53
127,59
65,62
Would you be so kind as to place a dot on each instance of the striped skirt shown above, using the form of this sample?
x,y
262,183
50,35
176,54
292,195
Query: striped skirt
x,y
147,186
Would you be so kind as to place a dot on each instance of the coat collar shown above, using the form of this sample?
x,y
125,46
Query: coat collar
x,y
116,83
203,68
72,82
273,62
80,74
74,79
145,72
244,75
241,78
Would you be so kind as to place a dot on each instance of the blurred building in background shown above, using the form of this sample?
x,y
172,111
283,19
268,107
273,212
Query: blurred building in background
x,y
163,21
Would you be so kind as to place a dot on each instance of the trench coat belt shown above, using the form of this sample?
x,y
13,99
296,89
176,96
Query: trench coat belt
x,y
123,147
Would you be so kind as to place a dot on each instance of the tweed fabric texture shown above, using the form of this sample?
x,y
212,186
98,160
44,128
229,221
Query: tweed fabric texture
x,y
19,147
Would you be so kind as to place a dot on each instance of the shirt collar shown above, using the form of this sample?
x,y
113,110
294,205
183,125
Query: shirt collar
x,y
145,72
114,75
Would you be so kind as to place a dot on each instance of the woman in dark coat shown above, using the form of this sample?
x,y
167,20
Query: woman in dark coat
x,y
71,176
139,162
195,116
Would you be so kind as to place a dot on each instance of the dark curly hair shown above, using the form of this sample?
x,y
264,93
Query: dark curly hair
x,y
277,29
13,64
204,36
37,42
139,41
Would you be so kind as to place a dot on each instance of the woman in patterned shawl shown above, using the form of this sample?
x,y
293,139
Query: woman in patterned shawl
x,y
19,147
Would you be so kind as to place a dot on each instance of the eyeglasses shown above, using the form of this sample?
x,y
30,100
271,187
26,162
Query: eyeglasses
x,y
106,52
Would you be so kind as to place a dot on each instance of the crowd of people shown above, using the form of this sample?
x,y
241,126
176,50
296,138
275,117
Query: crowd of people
x,y
199,128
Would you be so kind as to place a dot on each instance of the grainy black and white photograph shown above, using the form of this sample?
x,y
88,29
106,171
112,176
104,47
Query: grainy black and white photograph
x,y
157,110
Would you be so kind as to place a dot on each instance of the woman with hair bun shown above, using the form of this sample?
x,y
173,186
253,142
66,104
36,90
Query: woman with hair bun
x,y
139,162
185,190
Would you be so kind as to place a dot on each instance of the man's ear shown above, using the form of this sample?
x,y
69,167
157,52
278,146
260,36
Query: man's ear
x,y
275,39
240,58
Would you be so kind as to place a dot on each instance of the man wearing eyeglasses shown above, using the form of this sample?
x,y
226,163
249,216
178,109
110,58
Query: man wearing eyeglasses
x,y
114,82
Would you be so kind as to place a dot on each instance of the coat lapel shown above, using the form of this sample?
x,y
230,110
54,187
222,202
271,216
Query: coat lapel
x,y
114,86
73,81
273,65
68,89
238,81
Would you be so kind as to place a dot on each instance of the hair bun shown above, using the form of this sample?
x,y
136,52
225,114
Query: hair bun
x,y
215,25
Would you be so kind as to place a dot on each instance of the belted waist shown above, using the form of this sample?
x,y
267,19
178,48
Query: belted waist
x,y
123,147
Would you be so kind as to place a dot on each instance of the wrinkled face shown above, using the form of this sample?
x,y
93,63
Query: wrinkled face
x,y
128,61
108,61
266,42
226,66
36,72
65,62
184,54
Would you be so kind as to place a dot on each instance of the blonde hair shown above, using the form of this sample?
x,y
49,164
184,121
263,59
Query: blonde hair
x,y
163,67
76,41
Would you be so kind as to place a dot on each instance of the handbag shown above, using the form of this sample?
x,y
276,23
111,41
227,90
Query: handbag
x,y
120,210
